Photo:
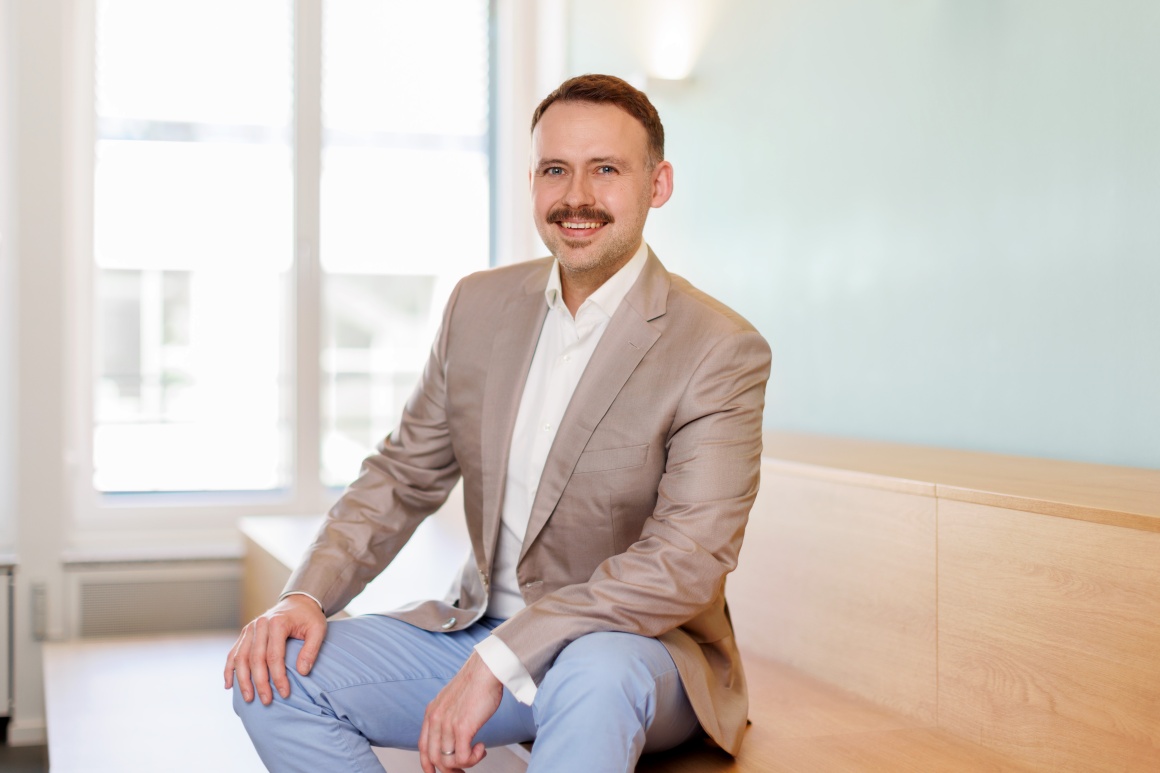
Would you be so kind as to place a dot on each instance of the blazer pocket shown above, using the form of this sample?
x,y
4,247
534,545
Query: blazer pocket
x,y
611,459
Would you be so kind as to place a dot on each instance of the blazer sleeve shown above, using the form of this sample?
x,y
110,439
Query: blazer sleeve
x,y
676,571
409,476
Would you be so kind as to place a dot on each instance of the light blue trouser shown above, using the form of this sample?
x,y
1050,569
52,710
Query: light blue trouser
x,y
607,698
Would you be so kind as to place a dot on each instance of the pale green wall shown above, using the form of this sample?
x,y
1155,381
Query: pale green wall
x,y
944,216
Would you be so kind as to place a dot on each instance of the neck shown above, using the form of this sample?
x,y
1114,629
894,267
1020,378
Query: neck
x,y
576,286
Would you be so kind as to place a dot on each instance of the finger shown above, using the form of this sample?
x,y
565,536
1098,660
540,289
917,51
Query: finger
x,y
467,756
310,647
424,757
461,743
258,671
440,742
478,752
229,671
452,762
242,663
435,749
276,657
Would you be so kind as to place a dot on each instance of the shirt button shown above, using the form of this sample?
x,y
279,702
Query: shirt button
x,y
547,426
567,358
448,624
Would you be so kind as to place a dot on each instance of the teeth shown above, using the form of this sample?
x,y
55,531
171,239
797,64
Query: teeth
x,y
582,225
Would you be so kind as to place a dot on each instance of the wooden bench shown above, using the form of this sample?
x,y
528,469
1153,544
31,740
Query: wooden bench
x,y
1005,603
911,609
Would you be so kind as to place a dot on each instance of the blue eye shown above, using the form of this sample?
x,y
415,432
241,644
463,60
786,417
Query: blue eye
x,y
606,169
554,171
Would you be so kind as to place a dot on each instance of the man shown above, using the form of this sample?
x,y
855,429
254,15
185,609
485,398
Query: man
x,y
605,418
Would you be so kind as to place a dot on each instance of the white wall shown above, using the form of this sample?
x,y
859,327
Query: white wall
x,y
7,301
942,214
40,194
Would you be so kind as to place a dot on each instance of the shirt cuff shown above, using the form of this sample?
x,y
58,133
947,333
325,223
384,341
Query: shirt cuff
x,y
301,593
507,668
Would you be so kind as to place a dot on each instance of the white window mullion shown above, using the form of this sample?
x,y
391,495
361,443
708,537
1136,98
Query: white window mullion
x,y
307,310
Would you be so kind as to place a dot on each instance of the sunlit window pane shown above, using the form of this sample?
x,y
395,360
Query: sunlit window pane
x,y
406,67
210,61
404,211
377,337
192,245
193,206
404,201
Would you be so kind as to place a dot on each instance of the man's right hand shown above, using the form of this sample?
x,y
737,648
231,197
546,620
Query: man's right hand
x,y
258,657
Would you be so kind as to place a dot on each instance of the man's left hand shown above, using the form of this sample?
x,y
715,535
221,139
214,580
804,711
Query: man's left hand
x,y
456,715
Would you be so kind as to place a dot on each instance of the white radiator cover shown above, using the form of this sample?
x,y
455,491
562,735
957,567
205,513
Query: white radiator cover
x,y
150,598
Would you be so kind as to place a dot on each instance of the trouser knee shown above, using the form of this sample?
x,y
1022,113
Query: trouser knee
x,y
607,667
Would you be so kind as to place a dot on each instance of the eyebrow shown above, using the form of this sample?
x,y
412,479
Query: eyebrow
x,y
611,160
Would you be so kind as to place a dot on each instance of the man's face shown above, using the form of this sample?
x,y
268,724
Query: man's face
x,y
591,186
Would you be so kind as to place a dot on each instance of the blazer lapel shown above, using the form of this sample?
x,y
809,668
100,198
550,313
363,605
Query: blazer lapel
x,y
511,359
624,344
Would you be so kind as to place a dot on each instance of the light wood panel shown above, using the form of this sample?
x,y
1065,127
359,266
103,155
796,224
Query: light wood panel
x,y
1049,638
786,703
263,578
802,725
849,477
839,582
1118,496
896,751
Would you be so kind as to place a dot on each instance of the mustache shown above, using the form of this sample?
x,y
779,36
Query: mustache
x,y
581,213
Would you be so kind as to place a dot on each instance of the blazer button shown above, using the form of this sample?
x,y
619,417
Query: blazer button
x,y
448,624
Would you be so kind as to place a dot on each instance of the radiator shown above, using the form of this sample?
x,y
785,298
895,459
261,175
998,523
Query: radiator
x,y
154,598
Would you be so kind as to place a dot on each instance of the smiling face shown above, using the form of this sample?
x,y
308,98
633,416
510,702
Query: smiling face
x,y
592,188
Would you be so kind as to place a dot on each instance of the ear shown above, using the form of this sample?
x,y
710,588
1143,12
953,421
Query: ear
x,y
662,184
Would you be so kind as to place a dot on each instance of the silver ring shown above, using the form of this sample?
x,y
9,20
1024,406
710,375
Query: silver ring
x,y
447,754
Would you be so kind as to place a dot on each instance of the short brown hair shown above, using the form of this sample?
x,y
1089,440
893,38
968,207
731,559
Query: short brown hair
x,y
608,89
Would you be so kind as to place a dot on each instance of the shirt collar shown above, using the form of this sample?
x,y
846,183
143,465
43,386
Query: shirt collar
x,y
608,296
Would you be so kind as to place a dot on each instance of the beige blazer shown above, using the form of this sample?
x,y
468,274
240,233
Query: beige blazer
x,y
644,497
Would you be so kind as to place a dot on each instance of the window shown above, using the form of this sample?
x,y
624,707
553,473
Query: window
x,y
404,201
270,259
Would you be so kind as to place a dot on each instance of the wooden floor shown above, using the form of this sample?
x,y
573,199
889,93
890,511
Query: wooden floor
x,y
152,704
149,704
143,704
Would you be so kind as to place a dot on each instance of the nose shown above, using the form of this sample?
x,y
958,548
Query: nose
x,y
579,193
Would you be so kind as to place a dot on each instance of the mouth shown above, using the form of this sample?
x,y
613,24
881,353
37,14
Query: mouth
x,y
578,228
579,224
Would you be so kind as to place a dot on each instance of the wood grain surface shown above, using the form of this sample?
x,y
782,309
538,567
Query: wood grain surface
x,y
802,725
1117,496
839,582
1049,640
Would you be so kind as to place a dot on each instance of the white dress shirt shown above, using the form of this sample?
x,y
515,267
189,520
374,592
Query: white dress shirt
x,y
562,353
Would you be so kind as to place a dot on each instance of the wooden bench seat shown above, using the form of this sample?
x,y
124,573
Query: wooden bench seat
x,y
803,725
1006,601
